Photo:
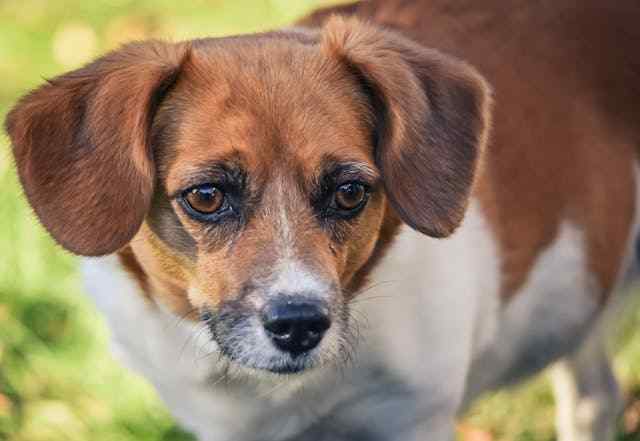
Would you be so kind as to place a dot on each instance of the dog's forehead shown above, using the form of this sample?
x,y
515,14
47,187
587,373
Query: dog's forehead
x,y
269,104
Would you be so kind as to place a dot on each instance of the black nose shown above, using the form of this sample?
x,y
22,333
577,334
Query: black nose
x,y
296,325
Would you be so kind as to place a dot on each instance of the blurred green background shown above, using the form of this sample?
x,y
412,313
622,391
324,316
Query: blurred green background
x,y
58,381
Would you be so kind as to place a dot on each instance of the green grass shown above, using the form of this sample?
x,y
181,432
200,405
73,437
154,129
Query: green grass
x,y
57,379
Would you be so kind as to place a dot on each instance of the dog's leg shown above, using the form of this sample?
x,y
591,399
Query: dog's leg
x,y
587,395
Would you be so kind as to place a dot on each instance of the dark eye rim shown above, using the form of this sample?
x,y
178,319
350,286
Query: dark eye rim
x,y
225,209
335,211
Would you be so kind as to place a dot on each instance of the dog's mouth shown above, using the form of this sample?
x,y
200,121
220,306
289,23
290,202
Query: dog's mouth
x,y
280,365
244,341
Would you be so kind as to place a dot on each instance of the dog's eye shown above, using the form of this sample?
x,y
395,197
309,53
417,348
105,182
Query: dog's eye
x,y
350,196
205,199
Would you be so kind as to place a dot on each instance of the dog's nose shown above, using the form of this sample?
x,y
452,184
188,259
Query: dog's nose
x,y
296,325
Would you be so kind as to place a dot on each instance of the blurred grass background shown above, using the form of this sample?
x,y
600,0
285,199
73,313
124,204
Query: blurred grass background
x,y
58,381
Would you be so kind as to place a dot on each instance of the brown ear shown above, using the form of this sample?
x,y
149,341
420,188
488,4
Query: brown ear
x,y
431,118
81,145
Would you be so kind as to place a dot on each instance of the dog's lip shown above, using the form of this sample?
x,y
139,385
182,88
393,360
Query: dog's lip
x,y
285,366
206,316
288,369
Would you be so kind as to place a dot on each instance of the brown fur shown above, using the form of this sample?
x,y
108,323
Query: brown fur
x,y
566,131
431,121
282,105
284,109
81,146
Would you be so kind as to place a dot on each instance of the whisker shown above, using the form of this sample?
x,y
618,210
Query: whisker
x,y
182,317
178,322
224,375
201,348
272,391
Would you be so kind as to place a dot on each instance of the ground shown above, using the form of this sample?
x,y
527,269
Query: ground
x,y
57,379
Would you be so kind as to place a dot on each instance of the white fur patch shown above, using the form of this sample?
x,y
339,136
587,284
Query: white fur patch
x,y
548,316
291,277
433,303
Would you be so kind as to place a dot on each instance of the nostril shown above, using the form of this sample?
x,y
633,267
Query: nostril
x,y
320,325
296,325
280,328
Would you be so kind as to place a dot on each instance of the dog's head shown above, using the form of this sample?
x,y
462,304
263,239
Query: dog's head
x,y
256,179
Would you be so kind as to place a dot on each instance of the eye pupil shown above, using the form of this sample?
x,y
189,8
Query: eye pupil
x,y
206,199
350,196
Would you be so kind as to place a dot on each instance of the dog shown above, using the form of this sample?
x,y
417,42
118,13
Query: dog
x,y
351,228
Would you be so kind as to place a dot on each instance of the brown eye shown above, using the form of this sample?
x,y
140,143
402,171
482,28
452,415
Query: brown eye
x,y
350,196
205,199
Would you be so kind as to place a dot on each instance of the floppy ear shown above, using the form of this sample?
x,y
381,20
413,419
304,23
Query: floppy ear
x,y
431,118
81,145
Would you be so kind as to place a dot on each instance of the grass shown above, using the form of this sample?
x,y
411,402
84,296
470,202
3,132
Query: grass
x,y
57,379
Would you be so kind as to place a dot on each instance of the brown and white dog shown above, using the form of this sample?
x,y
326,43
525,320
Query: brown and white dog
x,y
279,201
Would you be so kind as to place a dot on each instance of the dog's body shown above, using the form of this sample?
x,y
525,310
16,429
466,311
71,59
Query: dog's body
x,y
547,240
456,346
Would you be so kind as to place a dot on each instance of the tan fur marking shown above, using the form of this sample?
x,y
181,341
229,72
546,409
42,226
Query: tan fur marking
x,y
169,274
130,263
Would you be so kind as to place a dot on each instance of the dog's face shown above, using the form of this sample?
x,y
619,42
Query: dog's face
x,y
268,200
255,181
